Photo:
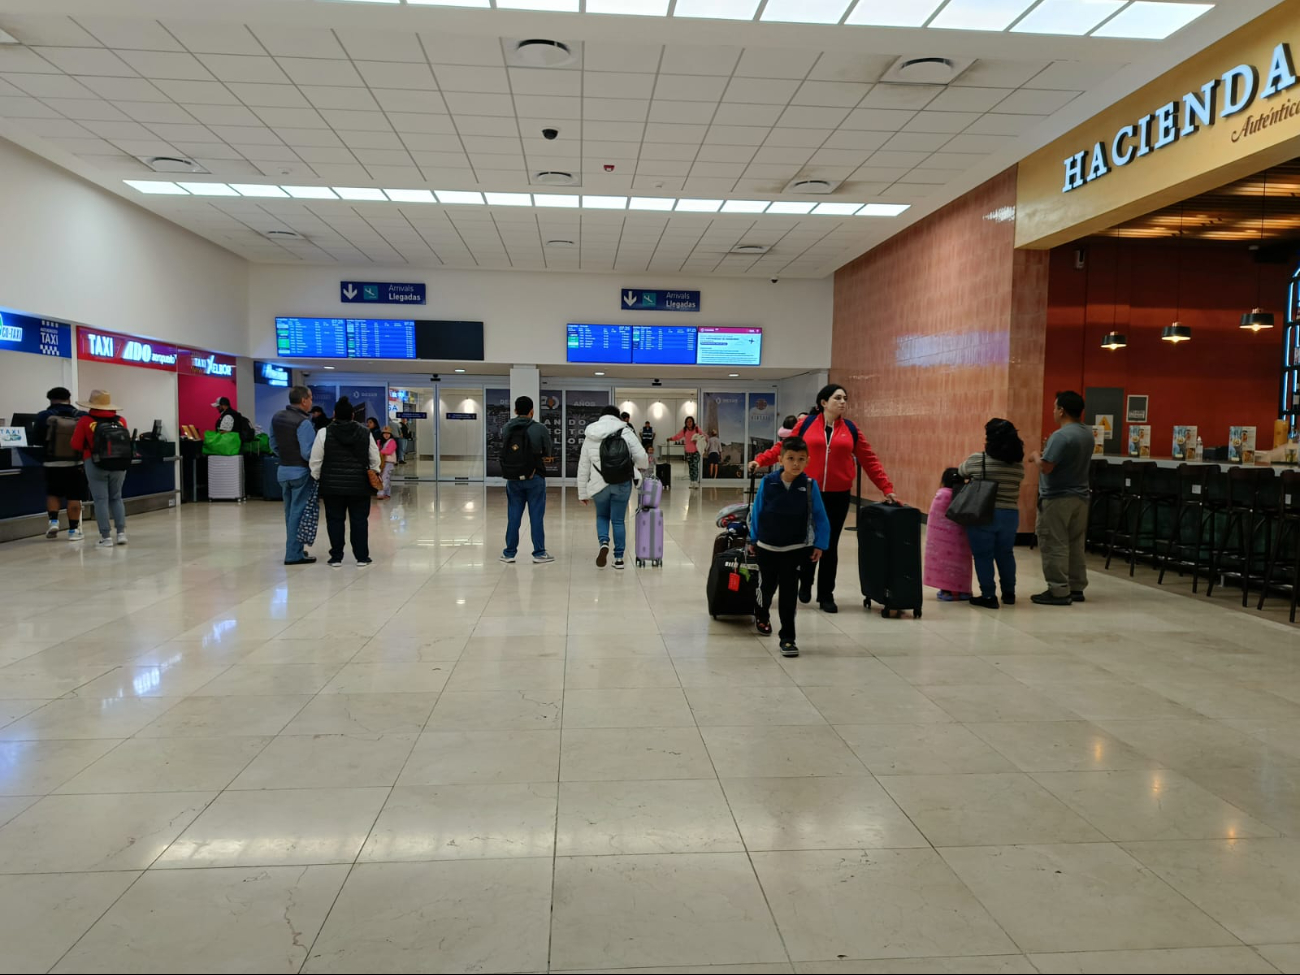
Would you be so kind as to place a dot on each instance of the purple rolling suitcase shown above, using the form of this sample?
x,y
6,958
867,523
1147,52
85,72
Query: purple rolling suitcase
x,y
652,492
649,523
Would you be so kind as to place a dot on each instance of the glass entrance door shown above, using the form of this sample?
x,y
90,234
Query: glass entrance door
x,y
461,424
420,451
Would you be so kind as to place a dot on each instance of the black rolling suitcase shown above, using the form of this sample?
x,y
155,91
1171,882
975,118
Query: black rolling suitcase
x,y
664,472
733,584
889,557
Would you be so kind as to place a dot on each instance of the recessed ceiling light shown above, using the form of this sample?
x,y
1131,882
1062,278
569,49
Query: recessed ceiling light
x,y
460,370
208,189
509,199
838,209
284,235
640,8
155,187
744,206
328,367
604,202
698,206
460,197
360,193
1151,21
893,13
541,52
883,209
554,200
600,374
1075,17
733,375
790,206
310,192
651,203
750,249
259,189
805,11
411,196
716,9
980,14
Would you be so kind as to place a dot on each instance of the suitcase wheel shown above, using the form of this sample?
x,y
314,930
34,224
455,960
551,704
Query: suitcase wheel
x,y
659,563
884,613
866,604
916,615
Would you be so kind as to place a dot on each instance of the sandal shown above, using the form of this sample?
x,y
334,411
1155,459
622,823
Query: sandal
x,y
764,627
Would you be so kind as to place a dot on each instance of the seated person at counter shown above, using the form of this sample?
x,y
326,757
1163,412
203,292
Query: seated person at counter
x,y
104,441
64,478
230,420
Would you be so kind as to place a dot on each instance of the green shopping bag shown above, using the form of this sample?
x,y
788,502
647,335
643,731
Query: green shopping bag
x,y
260,444
221,444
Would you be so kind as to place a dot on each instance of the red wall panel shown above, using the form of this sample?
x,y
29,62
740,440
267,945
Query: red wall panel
x,y
196,394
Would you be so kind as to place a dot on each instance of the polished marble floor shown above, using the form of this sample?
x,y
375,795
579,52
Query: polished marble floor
x,y
209,762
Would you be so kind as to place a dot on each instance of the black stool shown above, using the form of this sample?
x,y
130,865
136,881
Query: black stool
x,y
1286,542
1249,512
1193,511
1106,480
1140,497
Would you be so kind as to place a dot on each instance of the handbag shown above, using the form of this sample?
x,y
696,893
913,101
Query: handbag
x,y
376,482
975,504
221,444
310,523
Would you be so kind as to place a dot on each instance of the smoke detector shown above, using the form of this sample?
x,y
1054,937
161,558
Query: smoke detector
x,y
750,249
542,53
803,184
554,178
283,235
172,164
926,70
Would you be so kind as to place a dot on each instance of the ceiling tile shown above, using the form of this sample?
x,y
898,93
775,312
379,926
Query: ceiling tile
x,y
614,131
39,29
609,84
848,139
705,186
630,110
466,103
382,45
277,169
731,171
900,96
991,73
84,60
473,79
950,122
340,97
736,154
737,135
969,142
20,59
1028,101
61,127
775,62
666,132
665,150
807,117
266,152
341,173
443,47
166,64
917,141
252,135
693,88
878,119
123,33
320,71
662,167
735,113
968,99
325,154
84,108
356,121
177,133
223,115
898,158
699,59
542,81
809,138
84,146
243,67
295,118
118,130
383,157
207,150
370,140
935,177
214,38
490,144
1008,125
767,92
954,160
299,41
394,100
485,125
830,93
840,157
198,92
440,159
550,107
697,113
783,154
395,74
410,123
50,86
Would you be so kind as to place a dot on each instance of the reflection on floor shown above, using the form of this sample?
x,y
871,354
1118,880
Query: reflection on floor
x,y
443,763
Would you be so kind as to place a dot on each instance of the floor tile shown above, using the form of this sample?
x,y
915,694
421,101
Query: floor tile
x,y
584,645
11,806
645,816
167,765
507,675
480,757
236,919
980,965
209,717
497,711
944,669
874,904
336,651
43,915
76,717
794,750
613,754
810,670
611,672
465,822
1200,744
1285,958
895,703
327,762
826,813
736,706
429,648
730,672
277,828
1156,961
12,709
1060,746
33,768
636,911
1112,699
384,678
642,707
469,916
281,679
1081,897
363,714
996,702
921,749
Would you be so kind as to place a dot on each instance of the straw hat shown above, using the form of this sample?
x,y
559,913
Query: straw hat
x,y
386,430
100,399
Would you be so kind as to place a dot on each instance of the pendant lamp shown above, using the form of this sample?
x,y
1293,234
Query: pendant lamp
x,y
1115,339
1177,331
1257,319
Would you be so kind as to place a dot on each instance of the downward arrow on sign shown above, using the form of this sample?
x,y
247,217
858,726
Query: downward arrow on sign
x,y
349,292
629,298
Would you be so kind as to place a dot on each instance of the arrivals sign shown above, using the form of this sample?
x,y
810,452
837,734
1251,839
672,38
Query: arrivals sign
x,y
381,293
125,350
639,299
39,336
1219,98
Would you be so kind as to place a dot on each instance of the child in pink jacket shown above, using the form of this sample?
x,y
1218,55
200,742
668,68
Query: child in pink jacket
x,y
947,549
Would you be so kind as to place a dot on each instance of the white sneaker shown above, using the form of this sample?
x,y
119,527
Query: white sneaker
x,y
619,564
75,534
105,542
53,530
121,538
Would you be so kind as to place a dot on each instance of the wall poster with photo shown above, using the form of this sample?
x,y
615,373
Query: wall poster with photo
x,y
581,409
724,414
498,410
550,413
1137,409
763,423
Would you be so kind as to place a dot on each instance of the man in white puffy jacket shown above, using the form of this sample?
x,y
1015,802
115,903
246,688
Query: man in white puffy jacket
x,y
611,499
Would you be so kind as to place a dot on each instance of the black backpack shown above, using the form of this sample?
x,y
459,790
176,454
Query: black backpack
x,y
111,448
243,427
518,462
615,460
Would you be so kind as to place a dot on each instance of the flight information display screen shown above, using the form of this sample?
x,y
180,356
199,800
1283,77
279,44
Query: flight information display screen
x,y
600,343
381,338
670,345
728,346
345,338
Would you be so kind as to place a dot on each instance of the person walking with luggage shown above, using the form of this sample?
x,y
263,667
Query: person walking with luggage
x,y
387,455
994,544
608,463
65,479
1064,466
713,449
947,549
789,529
834,445
107,447
690,438
342,458
292,437
525,451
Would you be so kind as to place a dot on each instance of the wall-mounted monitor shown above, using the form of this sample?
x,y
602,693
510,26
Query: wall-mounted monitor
x,y
610,344
720,346
453,341
378,338
669,345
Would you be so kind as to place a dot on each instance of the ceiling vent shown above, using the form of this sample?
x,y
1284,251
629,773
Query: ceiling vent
x,y
172,164
804,184
554,177
926,71
542,53
559,243
283,235
750,249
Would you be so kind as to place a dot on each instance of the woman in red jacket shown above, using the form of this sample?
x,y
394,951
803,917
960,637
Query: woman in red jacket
x,y
834,444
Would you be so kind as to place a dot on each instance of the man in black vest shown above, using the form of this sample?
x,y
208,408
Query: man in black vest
x,y
292,436
525,452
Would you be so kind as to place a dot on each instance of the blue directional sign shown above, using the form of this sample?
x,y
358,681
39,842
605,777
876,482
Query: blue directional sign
x,y
381,293
22,333
639,299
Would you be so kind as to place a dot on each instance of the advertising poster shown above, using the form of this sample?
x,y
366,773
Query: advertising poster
x,y
1139,440
1098,438
724,414
496,406
1137,408
1184,443
550,413
1107,422
324,396
373,398
581,408
763,423
1241,445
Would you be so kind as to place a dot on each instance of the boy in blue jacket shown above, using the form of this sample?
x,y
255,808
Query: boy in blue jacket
x,y
788,528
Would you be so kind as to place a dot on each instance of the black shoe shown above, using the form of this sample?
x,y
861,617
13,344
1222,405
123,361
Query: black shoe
x,y
805,593
1078,597
1008,599
828,606
984,602
1047,599
764,627
788,649
602,557
335,563
365,562
305,560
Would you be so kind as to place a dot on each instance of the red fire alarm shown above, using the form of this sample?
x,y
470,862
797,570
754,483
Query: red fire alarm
x,y
609,167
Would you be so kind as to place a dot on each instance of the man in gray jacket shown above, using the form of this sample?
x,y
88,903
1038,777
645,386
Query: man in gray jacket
x,y
525,452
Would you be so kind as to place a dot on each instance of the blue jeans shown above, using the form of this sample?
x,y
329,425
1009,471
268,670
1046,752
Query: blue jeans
x,y
295,504
530,494
995,544
611,509
106,491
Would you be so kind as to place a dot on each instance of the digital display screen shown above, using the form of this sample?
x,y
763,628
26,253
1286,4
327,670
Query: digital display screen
x,y
669,345
320,338
453,341
729,346
381,338
600,343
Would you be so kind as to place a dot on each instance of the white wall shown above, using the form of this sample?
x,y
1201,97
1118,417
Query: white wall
x,y
524,313
796,394
141,395
73,251
26,378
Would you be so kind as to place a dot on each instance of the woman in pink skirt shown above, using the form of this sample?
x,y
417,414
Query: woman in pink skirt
x,y
947,548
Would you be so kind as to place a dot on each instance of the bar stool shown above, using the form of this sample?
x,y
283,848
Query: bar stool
x,y
1140,497
1106,480
1193,511
1286,541
1249,512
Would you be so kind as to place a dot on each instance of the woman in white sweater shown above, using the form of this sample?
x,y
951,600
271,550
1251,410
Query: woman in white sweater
x,y
611,498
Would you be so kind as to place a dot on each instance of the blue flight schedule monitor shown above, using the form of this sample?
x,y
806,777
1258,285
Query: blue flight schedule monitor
x,y
610,344
381,338
319,338
668,345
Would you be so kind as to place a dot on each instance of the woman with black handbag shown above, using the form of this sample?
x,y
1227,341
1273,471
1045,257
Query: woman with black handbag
x,y
993,543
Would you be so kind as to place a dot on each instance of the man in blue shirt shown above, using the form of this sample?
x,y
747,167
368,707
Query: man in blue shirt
x,y
292,436
1064,467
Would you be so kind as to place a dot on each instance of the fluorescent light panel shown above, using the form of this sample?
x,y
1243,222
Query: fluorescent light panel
x,y
837,209
604,202
883,209
698,206
561,6
259,189
207,189
509,199
893,13
155,187
745,206
411,196
460,197
564,200
310,192
639,8
1074,17
805,11
360,193
651,203
716,9
790,206
446,3
980,14
1151,21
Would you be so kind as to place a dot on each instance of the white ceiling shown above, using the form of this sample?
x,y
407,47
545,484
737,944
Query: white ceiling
x,y
371,95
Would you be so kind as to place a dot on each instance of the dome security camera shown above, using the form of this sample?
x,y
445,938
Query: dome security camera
x,y
775,280
550,134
